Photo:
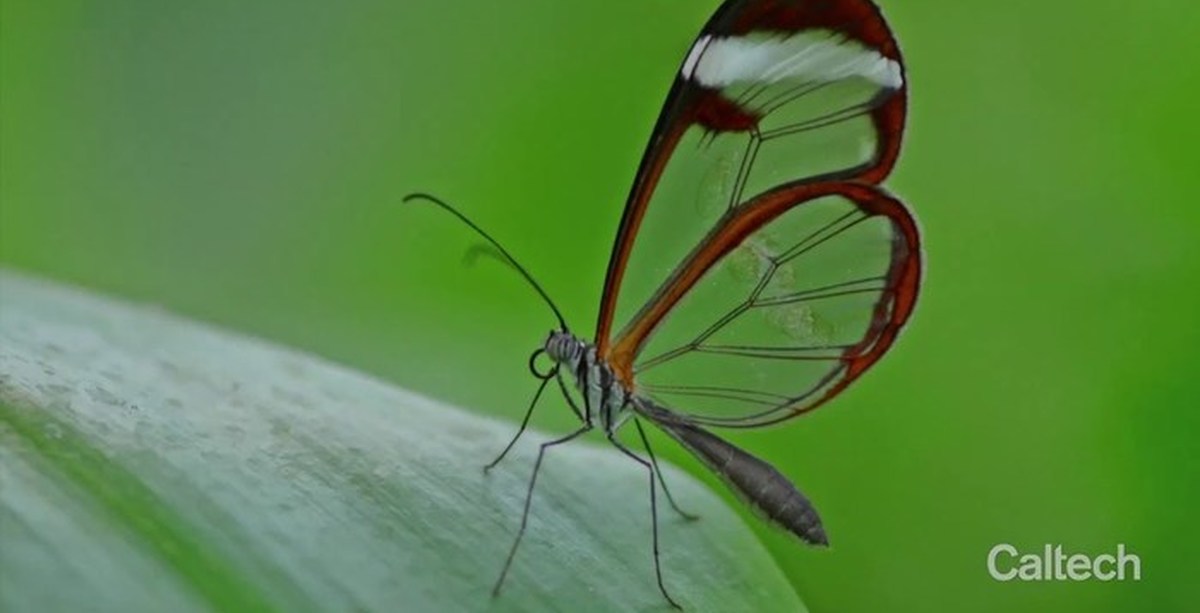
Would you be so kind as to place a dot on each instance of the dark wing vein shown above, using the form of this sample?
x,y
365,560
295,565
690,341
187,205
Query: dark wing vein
x,y
719,392
774,353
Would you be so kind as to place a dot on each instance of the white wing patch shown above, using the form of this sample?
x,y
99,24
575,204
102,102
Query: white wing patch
x,y
689,64
811,55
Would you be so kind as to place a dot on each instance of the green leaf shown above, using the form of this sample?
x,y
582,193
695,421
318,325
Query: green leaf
x,y
149,463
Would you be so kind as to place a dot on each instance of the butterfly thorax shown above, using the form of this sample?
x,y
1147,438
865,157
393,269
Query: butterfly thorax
x,y
605,398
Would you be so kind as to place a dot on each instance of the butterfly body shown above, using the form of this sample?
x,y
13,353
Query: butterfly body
x,y
606,398
759,484
610,402
759,267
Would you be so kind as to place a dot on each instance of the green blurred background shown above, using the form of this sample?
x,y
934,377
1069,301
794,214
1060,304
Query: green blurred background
x,y
241,162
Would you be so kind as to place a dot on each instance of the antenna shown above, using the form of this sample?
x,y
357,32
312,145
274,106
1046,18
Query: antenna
x,y
504,252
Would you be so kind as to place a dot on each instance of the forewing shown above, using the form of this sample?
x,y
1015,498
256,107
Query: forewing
x,y
770,93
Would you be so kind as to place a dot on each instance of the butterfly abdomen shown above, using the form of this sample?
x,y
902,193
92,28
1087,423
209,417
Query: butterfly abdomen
x,y
766,489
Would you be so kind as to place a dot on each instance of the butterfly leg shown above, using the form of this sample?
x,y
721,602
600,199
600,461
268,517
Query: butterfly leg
x,y
537,465
657,471
562,385
521,430
653,515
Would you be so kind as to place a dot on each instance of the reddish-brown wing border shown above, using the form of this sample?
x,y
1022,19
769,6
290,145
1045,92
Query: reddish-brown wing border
x,y
891,312
689,104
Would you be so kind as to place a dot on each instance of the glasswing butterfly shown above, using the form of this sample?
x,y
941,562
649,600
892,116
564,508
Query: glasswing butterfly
x,y
771,268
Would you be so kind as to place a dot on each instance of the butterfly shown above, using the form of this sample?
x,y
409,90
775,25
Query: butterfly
x,y
758,268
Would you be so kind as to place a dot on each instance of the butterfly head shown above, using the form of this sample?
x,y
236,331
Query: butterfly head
x,y
564,347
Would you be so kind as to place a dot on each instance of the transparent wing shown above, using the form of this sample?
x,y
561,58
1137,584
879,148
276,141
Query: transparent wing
x,y
771,93
758,270
786,317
